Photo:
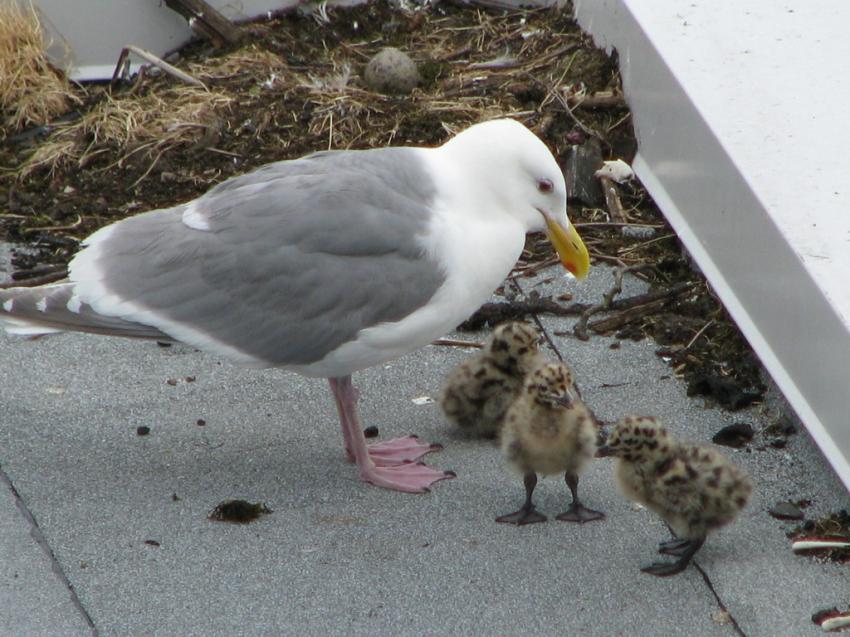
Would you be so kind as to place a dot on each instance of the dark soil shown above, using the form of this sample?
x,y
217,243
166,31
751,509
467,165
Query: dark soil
x,y
238,511
301,105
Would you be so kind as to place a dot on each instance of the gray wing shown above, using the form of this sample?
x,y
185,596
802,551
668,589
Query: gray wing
x,y
297,257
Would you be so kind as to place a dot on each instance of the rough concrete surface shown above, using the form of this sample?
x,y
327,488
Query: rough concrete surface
x,y
339,557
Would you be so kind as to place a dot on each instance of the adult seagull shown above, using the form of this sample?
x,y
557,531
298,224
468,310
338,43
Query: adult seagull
x,y
324,265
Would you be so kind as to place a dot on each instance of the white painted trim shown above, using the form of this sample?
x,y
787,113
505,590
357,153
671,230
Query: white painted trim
x,y
721,205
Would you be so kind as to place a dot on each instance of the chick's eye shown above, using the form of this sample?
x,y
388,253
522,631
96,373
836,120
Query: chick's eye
x,y
545,185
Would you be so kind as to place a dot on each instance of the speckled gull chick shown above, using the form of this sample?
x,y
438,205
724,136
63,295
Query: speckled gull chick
x,y
324,265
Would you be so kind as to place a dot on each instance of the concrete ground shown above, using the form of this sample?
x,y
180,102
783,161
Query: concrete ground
x,y
105,532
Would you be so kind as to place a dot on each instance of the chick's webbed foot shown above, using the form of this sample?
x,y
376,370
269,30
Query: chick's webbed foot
x,y
522,517
577,511
685,553
665,569
527,514
676,546
580,513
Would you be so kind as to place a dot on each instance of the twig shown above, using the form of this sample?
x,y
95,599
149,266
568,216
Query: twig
x,y
599,100
539,324
635,307
206,21
40,271
615,224
71,226
587,130
698,334
612,200
580,329
157,62
624,317
637,246
36,280
534,268
450,342
493,313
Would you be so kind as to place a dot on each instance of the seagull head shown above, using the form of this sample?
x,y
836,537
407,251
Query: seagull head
x,y
524,180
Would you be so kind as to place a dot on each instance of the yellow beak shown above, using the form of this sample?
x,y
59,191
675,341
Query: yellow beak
x,y
570,248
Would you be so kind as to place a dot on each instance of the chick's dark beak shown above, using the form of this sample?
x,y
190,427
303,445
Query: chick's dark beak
x,y
565,400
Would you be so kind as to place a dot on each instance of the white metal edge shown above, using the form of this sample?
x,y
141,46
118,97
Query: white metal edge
x,y
799,337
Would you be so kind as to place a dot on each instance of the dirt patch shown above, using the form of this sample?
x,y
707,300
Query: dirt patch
x,y
238,511
297,88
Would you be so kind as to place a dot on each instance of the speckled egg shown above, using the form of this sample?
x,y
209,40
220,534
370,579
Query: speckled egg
x,y
391,71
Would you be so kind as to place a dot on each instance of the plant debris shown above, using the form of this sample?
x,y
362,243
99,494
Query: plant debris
x,y
491,314
835,526
736,435
32,92
238,511
294,85
832,619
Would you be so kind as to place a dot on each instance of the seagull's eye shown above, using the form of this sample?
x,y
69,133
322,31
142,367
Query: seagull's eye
x,y
545,185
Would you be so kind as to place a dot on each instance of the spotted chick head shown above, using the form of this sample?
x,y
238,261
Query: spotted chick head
x,y
551,385
514,345
637,438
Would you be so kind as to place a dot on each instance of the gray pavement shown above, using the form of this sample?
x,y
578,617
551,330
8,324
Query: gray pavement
x,y
338,557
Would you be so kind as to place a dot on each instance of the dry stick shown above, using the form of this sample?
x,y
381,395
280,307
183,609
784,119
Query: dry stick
x,y
698,334
206,21
538,323
450,342
39,271
157,62
35,281
599,100
611,224
636,307
71,226
580,329
611,323
612,200
533,268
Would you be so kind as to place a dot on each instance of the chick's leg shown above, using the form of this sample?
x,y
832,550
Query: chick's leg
x,y
577,511
527,514
665,569
676,546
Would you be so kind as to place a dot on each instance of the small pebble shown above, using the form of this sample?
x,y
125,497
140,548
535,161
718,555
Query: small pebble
x,y
370,432
786,511
391,71
143,430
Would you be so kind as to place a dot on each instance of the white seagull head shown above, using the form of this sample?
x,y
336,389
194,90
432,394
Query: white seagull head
x,y
511,167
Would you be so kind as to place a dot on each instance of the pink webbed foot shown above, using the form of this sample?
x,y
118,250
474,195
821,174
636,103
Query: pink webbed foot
x,y
391,464
412,477
391,453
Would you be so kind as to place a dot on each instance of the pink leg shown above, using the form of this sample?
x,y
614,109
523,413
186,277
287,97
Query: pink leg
x,y
387,464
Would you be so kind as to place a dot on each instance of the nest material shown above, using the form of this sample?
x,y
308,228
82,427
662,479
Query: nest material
x,y
32,92
151,125
476,66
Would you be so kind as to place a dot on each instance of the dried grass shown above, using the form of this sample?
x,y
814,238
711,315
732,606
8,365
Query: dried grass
x,y
476,66
150,124
32,92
